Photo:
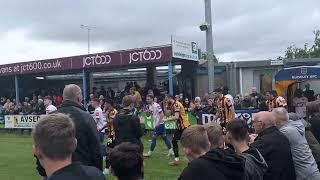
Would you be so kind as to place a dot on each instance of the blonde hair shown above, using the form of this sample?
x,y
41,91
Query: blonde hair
x,y
195,137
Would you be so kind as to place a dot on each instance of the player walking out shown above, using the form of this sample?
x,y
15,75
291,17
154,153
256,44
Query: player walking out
x,y
111,113
182,122
98,117
155,110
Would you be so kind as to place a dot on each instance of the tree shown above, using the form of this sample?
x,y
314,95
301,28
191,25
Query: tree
x,y
294,52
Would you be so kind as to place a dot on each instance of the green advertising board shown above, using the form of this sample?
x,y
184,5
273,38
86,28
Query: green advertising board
x,y
169,122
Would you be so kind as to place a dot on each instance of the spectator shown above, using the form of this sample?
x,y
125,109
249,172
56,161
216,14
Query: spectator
x,y
238,135
26,108
274,147
186,104
34,101
305,165
102,91
197,111
9,110
247,102
313,116
39,108
215,135
308,93
127,125
312,141
55,142
48,104
205,164
127,162
257,97
110,93
88,149
237,102
5,106
58,100
17,108
90,107
300,104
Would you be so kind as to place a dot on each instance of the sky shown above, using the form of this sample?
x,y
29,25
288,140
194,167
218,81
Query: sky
x,y
242,29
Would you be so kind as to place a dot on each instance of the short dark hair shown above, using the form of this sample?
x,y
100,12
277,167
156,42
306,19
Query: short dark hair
x,y
150,96
238,129
225,90
55,136
48,98
96,99
126,161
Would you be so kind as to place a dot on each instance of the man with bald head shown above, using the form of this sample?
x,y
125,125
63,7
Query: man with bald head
x,y
304,162
274,147
88,150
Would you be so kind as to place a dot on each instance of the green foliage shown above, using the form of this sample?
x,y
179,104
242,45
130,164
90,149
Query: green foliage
x,y
294,52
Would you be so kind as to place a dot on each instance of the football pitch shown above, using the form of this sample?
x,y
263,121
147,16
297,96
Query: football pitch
x,y
17,162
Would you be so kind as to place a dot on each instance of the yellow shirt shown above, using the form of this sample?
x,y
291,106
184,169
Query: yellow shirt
x,y
183,121
138,97
110,116
226,110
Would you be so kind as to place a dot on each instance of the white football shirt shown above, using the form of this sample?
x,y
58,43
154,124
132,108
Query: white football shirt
x,y
50,109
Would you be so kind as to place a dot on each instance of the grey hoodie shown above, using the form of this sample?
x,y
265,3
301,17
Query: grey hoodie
x,y
305,165
255,166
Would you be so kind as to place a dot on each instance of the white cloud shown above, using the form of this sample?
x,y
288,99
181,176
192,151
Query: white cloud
x,y
243,29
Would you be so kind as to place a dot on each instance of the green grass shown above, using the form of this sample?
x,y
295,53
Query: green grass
x,y
1,125
17,162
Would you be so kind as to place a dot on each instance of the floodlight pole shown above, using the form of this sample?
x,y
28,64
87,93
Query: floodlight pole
x,y
209,45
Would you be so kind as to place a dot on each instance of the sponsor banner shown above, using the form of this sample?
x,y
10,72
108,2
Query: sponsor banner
x,y
21,121
184,49
245,115
152,55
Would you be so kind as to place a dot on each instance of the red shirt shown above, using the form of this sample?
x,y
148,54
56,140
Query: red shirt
x,y
58,100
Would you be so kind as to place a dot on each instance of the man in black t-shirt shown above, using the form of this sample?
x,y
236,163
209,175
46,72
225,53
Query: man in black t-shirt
x,y
54,142
308,93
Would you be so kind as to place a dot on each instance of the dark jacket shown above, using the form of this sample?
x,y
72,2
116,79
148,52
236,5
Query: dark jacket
x,y
76,171
216,164
312,141
255,166
39,109
315,126
88,149
127,128
275,149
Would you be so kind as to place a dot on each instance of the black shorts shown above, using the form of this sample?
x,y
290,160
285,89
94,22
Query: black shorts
x,y
177,134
